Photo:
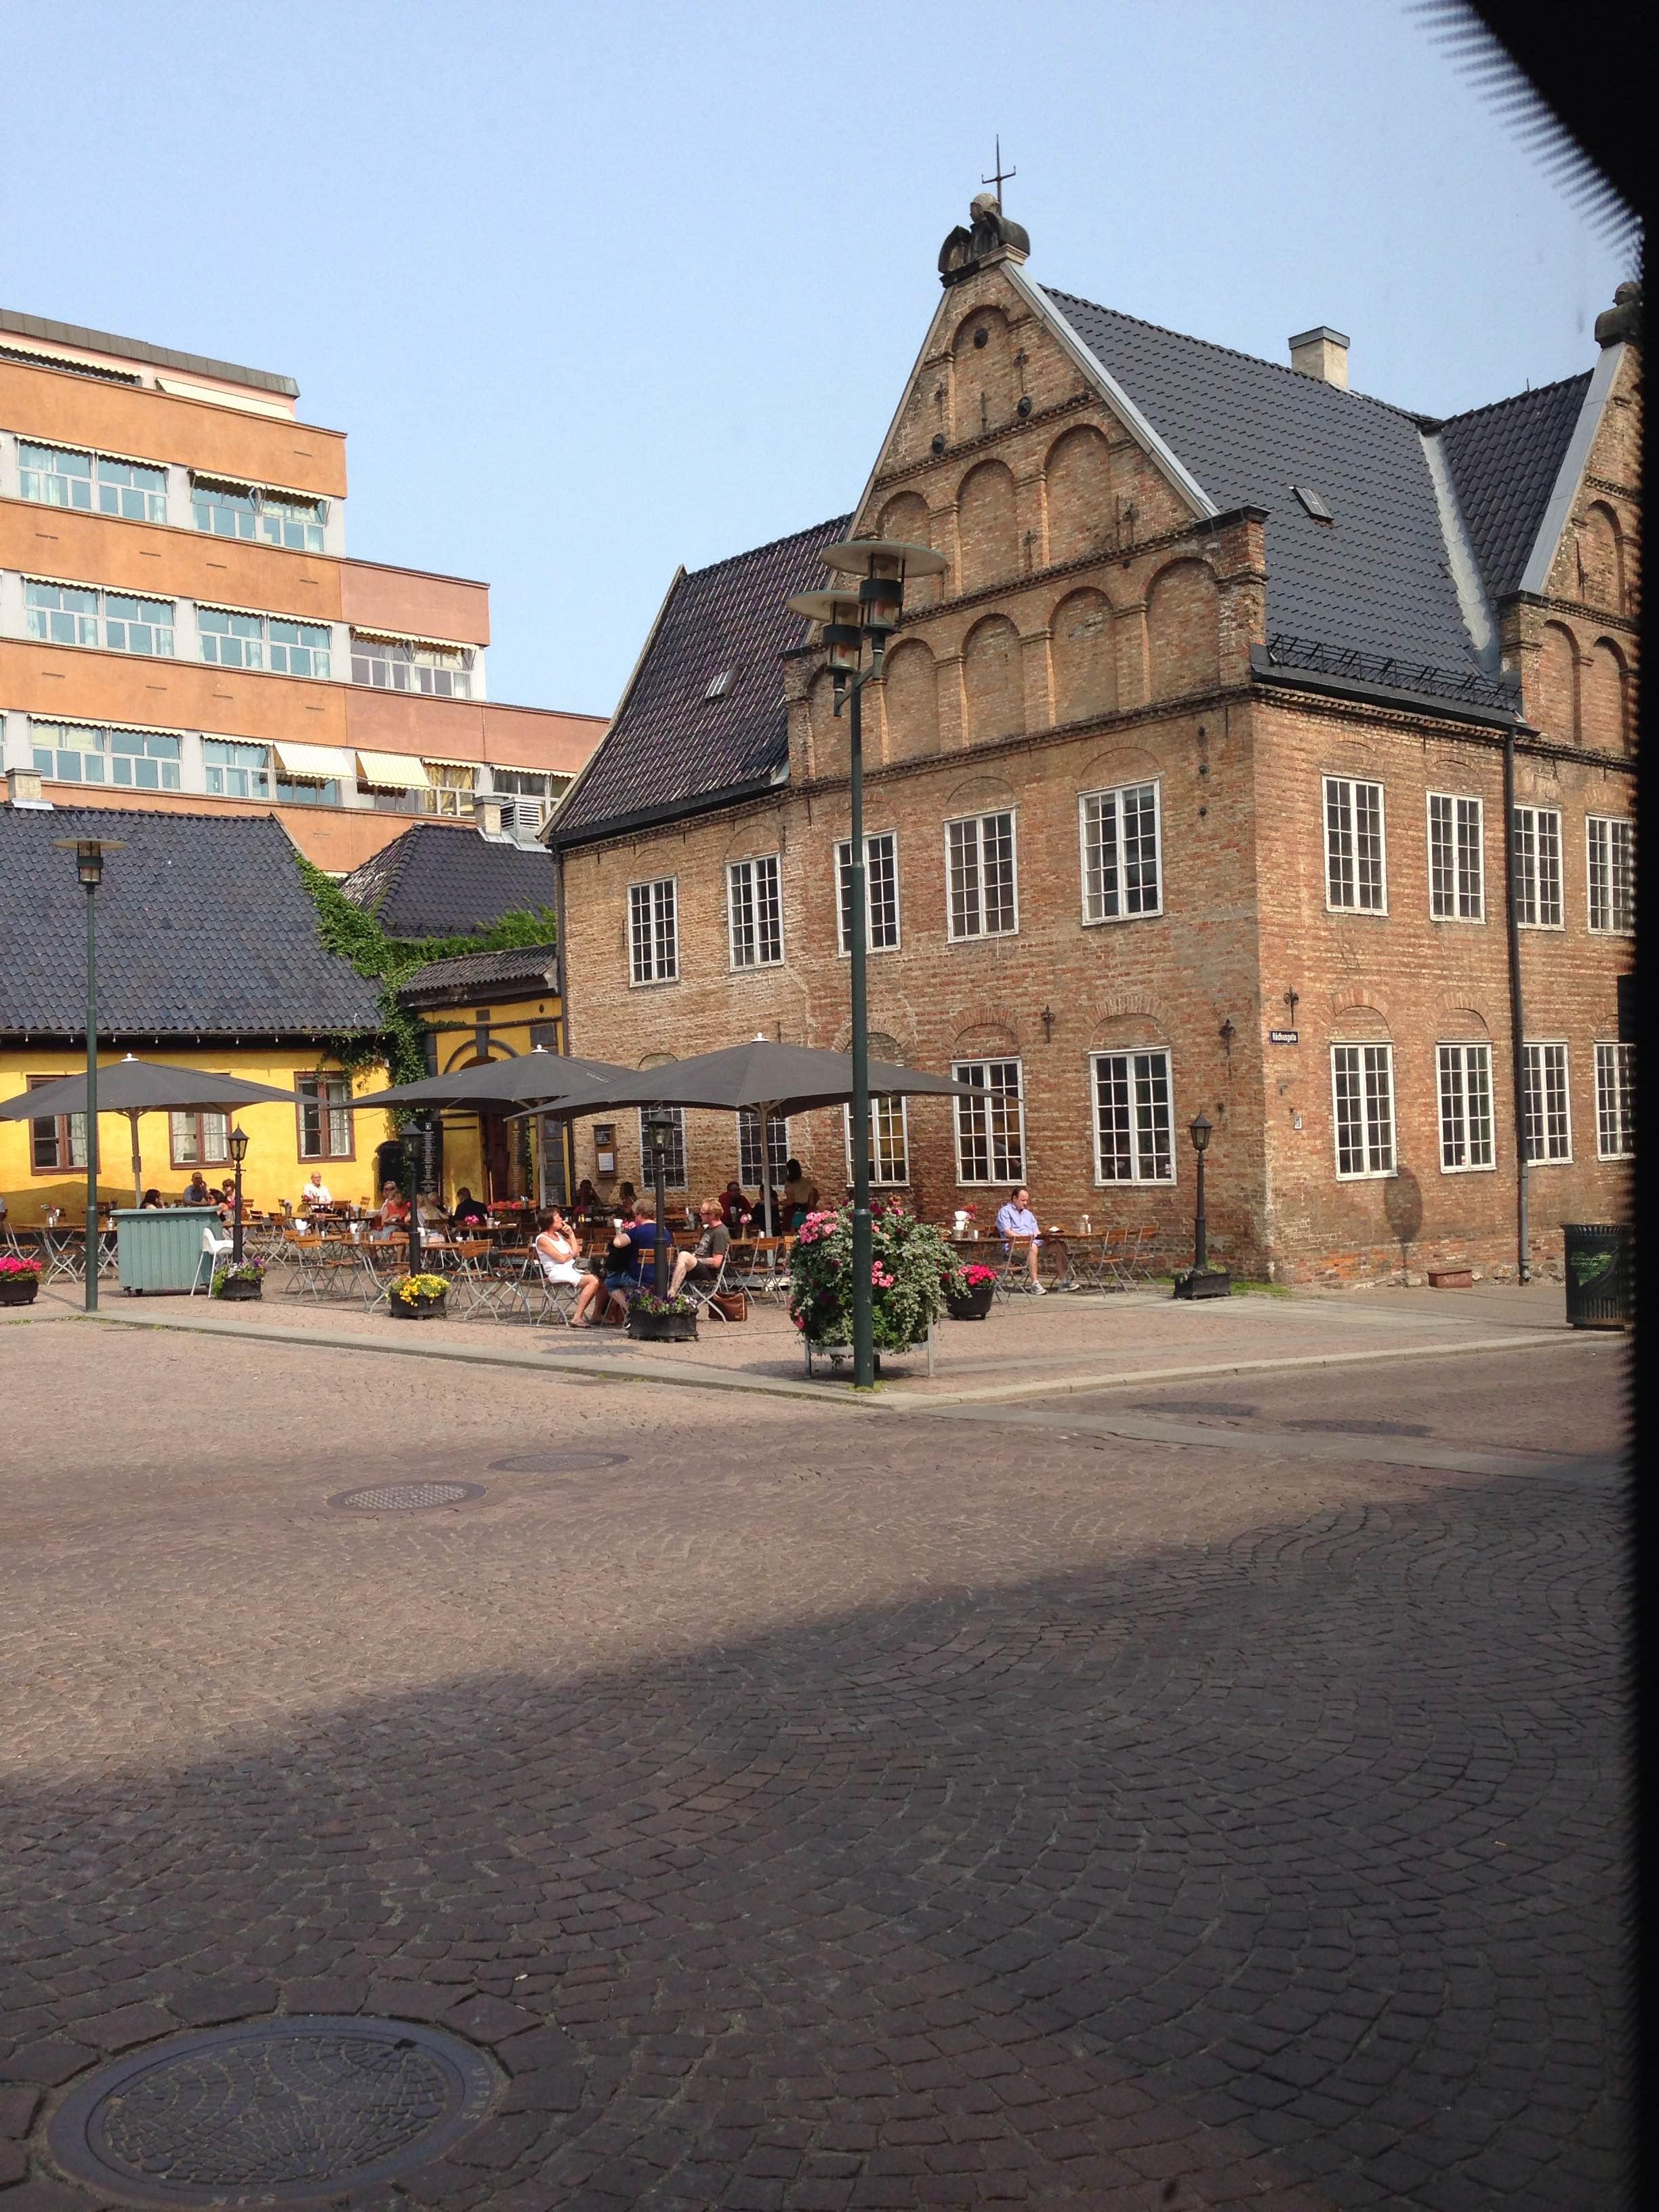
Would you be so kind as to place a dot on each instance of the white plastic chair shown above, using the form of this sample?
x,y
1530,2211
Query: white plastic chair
x,y
214,1248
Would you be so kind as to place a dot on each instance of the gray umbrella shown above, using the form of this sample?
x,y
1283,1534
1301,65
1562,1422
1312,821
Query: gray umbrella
x,y
537,1074
769,1078
133,1087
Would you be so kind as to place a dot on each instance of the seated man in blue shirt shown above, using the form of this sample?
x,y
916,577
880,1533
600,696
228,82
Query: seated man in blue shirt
x,y
1016,1219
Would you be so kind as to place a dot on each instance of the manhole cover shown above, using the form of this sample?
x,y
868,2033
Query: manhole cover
x,y
272,2110
405,1497
1363,1428
557,1462
1218,1407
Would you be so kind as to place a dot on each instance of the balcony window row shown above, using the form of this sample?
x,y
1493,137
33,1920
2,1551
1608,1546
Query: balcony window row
x,y
1363,1104
276,642
260,517
441,671
91,483
1356,860
76,614
77,753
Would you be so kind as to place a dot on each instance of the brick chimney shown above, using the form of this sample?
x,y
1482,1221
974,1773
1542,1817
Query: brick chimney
x,y
1321,352
23,788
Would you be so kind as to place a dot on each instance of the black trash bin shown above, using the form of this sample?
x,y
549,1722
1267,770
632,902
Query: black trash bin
x,y
1598,1257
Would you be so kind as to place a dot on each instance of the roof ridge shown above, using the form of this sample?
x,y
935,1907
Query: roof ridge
x,y
1532,391
1236,353
157,814
771,545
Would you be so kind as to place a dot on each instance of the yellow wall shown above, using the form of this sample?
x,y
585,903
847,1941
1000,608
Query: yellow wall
x,y
509,1024
273,1170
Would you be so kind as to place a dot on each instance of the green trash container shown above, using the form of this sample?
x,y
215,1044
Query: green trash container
x,y
160,1247
1598,1257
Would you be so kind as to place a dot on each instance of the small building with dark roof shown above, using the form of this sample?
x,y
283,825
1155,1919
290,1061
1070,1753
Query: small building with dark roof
x,y
441,879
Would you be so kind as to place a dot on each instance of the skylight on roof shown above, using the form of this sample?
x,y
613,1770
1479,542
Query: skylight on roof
x,y
1314,503
720,684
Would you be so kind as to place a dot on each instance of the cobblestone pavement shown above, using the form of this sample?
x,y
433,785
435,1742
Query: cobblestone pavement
x,y
810,1811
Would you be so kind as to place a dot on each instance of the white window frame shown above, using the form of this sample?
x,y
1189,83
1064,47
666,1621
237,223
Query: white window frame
x,y
977,822
109,753
418,665
1457,801
843,861
100,616
962,1072
1617,830
777,1141
1370,1172
1139,1150
1117,793
282,512
748,868
1533,1065
255,770
674,1152
1615,1100
660,973
1527,871
880,1176
265,646
154,497
1351,785
1453,1058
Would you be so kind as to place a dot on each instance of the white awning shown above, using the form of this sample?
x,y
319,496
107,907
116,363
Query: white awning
x,y
246,402
317,762
393,771
409,637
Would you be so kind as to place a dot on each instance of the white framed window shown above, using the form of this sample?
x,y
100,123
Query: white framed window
x,y
79,614
1134,1133
1466,1126
270,518
1535,857
1362,1096
388,663
92,483
236,771
754,908
1545,1105
286,647
673,1152
324,1112
980,873
749,1148
200,1140
654,935
452,790
1122,858
1356,860
991,1124
1615,1100
881,896
1457,869
84,752
56,1140
889,1142
1610,873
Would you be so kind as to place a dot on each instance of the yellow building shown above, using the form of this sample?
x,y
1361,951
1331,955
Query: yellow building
x,y
208,957
485,1007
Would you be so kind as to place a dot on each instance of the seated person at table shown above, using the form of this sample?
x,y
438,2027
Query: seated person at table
x,y
735,1209
800,1195
630,1265
316,1192
197,1191
1016,1219
703,1262
625,1201
151,1199
467,1209
556,1249
393,1215
586,1203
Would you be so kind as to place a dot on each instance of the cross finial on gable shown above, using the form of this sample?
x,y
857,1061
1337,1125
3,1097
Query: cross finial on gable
x,y
999,176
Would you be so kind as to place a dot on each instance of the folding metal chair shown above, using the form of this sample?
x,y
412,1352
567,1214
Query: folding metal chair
x,y
1138,1256
703,1294
1015,1273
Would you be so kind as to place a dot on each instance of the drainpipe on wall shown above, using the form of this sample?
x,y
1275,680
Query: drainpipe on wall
x,y
1517,1019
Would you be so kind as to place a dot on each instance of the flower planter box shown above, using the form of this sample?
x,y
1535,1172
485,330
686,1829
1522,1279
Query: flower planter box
x,y
662,1329
19,1290
1208,1283
972,1305
427,1306
1450,1278
239,1289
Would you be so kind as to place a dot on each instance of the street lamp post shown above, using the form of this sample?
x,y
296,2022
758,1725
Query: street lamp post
x,y
848,619
238,1153
89,868
412,1146
657,1123
1201,1280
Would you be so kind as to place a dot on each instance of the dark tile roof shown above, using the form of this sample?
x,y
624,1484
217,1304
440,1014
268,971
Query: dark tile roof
x,y
1505,460
670,743
483,974
1375,577
204,929
439,881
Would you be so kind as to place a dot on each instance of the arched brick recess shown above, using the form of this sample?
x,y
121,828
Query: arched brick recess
x,y
1119,764
1457,1022
1602,559
982,1032
1183,630
1078,470
907,519
829,738
760,834
994,680
1604,697
1558,683
909,684
977,793
1083,656
983,385
988,527
1127,1032
1359,1019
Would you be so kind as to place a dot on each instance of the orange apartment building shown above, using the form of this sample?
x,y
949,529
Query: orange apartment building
x,y
179,621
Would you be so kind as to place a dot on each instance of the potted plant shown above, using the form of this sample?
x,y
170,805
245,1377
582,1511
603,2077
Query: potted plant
x,y
910,1265
652,1320
969,1292
239,1278
418,1298
19,1280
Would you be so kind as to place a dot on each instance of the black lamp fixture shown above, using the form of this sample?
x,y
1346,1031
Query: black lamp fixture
x,y
89,874
238,1153
1227,1033
1200,1280
1046,1018
659,1121
849,619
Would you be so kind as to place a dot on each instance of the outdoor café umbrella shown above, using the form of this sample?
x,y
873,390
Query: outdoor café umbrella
x,y
133,1087
768,1078
537,1074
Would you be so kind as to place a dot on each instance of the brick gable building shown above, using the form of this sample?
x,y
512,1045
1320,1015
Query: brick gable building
x,y
1185,787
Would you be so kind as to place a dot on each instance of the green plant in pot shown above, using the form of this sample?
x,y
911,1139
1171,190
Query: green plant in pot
x,y
418,1298
239,1278
652,1320
910,1265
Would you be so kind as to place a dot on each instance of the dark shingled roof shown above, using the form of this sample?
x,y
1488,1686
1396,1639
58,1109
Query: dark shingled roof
x,y
1505,460
670,743
484,975
436,881
204,929
1374,578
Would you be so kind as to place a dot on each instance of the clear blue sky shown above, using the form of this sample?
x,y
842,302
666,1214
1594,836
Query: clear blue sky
x,y
596,290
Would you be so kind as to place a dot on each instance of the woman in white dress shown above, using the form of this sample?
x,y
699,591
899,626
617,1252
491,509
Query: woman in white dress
x,y
556,1250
